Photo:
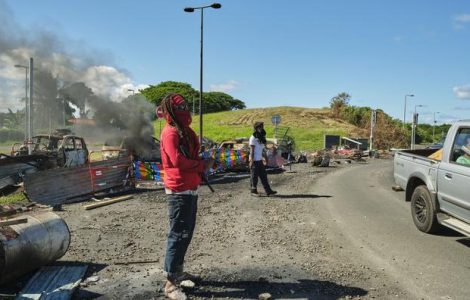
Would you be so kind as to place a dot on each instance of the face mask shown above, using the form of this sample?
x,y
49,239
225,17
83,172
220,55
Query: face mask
x,y
180,109
184,117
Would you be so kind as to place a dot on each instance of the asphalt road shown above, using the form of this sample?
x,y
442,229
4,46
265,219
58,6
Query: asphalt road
x,y
374,223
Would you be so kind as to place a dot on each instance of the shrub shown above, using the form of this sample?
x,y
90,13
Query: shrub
x,y
11,135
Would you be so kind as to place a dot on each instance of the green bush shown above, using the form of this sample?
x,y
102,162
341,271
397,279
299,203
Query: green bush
x,y
11,135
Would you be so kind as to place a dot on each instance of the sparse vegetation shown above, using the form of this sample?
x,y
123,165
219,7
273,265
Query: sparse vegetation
x,y
13,198
307,125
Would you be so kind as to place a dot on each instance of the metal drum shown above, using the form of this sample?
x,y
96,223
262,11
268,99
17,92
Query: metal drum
x,y
26,247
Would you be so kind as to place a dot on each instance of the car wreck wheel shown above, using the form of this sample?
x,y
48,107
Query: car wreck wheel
x,y
423,210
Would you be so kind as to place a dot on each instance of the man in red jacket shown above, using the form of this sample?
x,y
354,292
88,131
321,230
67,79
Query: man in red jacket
x,y
179,147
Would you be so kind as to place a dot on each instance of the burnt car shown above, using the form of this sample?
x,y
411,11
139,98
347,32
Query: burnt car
x,y
140,148
48,151
62,149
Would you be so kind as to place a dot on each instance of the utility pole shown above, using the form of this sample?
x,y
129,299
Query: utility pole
x,y
414,127
30,106
373,121
404,113
434,125
26,126
201,103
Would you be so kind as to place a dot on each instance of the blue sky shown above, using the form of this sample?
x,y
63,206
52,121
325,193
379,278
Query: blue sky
x,y
271,53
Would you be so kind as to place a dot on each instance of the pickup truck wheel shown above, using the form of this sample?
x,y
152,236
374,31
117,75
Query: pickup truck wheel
x,y
423,210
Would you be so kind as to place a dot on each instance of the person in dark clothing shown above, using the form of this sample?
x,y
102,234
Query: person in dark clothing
x,y
179,147
257,143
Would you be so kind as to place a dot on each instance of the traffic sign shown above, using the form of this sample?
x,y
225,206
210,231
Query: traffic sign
x,y
276,120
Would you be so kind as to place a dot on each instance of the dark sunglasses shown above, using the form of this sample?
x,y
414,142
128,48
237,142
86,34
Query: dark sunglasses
x,y
182,107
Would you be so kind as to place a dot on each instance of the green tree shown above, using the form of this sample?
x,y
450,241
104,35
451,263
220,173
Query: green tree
x,y
13,120
338,102
218,101
155,93
213,101
358,116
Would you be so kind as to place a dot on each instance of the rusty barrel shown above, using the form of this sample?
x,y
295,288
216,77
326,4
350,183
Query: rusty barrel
x,y
26,247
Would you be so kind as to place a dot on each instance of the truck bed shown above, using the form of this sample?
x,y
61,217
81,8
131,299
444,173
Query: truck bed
x,y
420,152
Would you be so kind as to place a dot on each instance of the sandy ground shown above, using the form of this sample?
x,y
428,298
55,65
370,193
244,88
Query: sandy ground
x,y
243,245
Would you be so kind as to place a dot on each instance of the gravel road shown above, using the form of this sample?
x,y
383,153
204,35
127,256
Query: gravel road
x,y
243,245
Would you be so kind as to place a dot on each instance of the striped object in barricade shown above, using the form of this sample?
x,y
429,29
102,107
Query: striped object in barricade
x,y
148,170
226,158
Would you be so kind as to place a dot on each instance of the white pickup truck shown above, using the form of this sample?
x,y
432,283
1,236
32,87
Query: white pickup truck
x,y
438,186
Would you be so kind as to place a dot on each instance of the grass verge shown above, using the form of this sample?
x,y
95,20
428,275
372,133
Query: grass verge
x,y
13,198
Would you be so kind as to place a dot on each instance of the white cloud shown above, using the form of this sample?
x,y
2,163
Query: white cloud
x,y
104,80
66,60
108,82
462,92
459,21
224,87
11,93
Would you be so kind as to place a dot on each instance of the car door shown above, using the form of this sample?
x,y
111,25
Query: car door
x,y
453,179
71,158
82,152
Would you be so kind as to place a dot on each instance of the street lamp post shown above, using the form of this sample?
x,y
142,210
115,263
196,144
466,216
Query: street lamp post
x,y
404,113
30,105
434,125
25,100
190,10
414,127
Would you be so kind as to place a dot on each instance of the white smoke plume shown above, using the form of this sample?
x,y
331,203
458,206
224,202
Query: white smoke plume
x,y
58,56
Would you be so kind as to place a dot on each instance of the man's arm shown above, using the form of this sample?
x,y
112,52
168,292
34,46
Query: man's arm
x,y
252,155
171,146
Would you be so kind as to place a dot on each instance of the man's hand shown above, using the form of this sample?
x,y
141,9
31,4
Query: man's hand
x,y
250,164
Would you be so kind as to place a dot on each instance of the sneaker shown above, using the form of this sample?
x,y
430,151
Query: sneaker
x,y
254,192
173,292
271,192
185,276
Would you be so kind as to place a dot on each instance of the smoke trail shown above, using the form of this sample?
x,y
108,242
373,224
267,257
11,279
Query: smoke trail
x,y
66,60
68,77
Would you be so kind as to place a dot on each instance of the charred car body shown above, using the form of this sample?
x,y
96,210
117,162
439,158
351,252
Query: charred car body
x,y
140,148
62,149
48,151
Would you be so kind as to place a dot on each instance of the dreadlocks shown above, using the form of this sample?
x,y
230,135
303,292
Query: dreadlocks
x,y
185,133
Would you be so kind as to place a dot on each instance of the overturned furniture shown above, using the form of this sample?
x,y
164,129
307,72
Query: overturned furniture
x,y
25,247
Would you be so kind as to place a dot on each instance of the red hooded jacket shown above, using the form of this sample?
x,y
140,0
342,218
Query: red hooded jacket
x,y
181,173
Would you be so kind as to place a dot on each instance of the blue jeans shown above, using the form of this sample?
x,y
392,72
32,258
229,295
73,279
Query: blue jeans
x,y
182,211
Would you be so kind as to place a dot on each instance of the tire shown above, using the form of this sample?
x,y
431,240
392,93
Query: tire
x,y
423,210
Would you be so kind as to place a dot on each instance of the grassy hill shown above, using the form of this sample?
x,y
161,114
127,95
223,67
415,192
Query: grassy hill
x,y
307,125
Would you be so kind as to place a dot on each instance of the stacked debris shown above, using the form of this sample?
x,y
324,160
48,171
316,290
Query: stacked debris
x,y
321,158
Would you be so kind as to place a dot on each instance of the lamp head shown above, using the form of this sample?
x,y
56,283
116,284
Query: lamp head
x,y
216,5
189,9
